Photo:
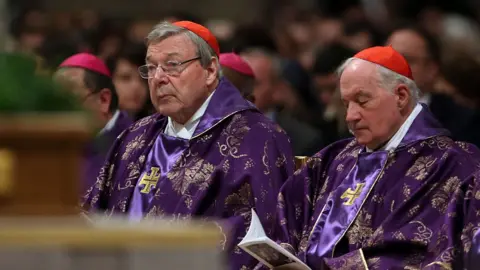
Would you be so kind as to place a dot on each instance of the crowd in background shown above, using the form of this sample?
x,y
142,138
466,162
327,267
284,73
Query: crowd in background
x,y
294,58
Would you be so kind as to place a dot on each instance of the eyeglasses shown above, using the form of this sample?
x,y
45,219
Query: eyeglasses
x,y
172,68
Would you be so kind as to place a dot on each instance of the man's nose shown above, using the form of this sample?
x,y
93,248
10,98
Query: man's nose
x,y
159,73
160,76
352,114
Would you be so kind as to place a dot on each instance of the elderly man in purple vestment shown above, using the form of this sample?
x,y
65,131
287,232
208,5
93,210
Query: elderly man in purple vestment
x,y
400,195
89,77
207,153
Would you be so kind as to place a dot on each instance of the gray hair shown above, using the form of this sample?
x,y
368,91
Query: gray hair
x,y
165,30
388,79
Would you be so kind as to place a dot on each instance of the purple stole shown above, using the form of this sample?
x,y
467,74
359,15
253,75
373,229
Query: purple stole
x,y
156,168
344,202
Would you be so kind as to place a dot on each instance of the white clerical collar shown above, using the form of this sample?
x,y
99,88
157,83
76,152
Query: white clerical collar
x,y
187,130
402,131
111,123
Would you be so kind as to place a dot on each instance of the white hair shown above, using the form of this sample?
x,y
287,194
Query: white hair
x,y
165,30
388,79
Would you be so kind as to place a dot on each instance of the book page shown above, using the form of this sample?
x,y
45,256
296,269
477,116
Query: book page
x,y
255,230
264,249
272,254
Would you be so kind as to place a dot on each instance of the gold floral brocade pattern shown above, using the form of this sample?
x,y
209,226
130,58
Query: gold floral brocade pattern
x,y
234,133
241,200
351,261
421,167
423,234
441,198
360,231
137,143
196,172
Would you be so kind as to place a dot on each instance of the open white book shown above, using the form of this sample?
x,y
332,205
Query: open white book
x,y
264,249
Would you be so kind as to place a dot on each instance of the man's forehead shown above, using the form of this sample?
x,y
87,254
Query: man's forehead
x,y
358,70
177,45
358,78
71,74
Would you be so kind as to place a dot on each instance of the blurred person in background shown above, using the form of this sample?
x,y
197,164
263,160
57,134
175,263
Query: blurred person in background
x,y
61,42
284,93
431,19
239,73
325,78
253,37
109,42
89,78
29,30
88,24
326,62
328,30
132,89
138,30
461,69
358,36
297,110
423,53
182,15
300,33
207,153
266,67
224,31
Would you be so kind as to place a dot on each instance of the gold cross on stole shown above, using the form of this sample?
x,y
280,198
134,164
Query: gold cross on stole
x,y
150,180
352,195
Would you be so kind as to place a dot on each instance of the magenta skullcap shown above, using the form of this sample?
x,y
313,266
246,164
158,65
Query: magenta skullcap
x,y
87,61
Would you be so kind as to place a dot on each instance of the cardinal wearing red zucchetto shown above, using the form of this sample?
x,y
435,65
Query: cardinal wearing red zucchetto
x,y
400,194
207,153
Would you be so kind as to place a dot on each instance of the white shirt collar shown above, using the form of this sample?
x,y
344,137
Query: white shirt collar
x,y
402,131
111,123
187,130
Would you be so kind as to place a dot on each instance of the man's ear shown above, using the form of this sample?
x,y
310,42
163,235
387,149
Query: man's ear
x,y
105,98
403,95
212,71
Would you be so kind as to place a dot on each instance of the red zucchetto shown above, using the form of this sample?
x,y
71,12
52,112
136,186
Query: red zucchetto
x,y
202,32
386,57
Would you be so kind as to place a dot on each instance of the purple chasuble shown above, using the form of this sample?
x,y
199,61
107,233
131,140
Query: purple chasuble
x,y
236,160
96,151
410,208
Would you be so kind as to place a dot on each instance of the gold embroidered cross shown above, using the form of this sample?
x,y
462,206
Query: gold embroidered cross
x,y
150,180
352,195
